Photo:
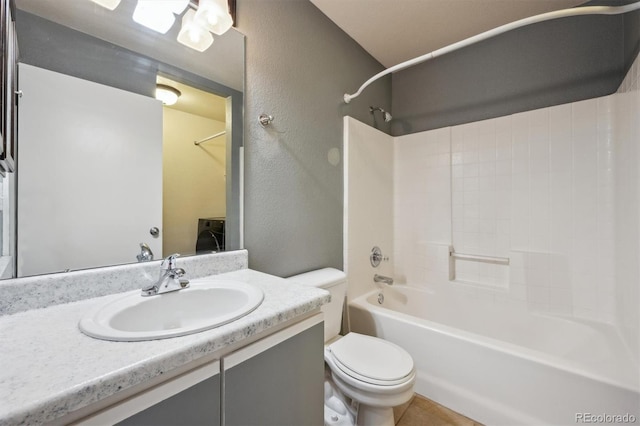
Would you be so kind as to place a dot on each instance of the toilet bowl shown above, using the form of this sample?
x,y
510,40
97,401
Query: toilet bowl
x,y
337,409
376,374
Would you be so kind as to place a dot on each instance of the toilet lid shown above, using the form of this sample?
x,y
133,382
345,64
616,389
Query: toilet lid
x,y
372,357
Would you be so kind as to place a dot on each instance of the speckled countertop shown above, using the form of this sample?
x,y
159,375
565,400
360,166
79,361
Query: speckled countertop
x,y
49,368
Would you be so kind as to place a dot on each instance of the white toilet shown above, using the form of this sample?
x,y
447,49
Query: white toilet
x,y
376,374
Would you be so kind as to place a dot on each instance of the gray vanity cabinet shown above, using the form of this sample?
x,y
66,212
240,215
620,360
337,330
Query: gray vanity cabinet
x,y
197,405
281,385
276,380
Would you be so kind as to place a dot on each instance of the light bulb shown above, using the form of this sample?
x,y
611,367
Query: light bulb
x,y
214,14
193,34
212,19
153,15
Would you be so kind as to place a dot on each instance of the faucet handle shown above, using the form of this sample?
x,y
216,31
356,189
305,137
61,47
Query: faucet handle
x,y
176,273
170,261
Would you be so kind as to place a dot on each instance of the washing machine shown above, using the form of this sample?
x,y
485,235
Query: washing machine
x,y
210,235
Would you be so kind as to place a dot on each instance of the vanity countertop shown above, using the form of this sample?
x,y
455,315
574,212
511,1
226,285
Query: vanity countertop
x,y
50,369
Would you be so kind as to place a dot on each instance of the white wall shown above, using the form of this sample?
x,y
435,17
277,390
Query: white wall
x,y
368,205
627,207
535,187
555,190
422,203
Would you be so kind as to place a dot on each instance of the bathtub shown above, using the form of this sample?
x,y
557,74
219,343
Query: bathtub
x,y
503,366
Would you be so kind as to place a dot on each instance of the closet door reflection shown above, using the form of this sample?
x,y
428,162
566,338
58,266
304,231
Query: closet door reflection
x,y
90,174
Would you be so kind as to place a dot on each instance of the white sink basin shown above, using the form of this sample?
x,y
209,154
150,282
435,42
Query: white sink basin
x,y
205,304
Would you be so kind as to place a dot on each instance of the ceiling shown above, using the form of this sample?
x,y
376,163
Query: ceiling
x,y
393,31
196,101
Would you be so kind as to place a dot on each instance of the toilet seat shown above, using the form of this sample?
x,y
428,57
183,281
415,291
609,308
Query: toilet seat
x,y
370,360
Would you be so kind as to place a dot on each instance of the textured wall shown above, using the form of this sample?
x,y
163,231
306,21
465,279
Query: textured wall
x,y
546,64
298,66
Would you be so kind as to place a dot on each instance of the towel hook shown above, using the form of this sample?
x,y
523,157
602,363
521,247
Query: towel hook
x,y
265,119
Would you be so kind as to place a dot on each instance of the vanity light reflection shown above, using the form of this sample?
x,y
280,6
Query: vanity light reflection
x,y
200,20
194,35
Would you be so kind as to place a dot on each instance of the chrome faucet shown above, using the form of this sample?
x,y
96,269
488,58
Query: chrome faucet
x,y
170,278
146,255
382,279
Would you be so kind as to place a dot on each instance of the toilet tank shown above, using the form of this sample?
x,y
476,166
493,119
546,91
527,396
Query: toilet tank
x,y
334,281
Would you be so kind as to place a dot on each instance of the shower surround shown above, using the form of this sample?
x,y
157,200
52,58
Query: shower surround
x,y
555,190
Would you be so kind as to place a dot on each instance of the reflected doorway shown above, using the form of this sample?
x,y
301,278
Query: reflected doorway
x,y
194,155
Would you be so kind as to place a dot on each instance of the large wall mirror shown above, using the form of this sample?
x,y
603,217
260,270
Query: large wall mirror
x,y
106,173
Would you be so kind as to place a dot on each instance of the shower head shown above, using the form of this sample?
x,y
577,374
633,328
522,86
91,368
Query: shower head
x,y
385,114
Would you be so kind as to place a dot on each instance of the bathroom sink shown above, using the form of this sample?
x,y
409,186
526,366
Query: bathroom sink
x,y
205,304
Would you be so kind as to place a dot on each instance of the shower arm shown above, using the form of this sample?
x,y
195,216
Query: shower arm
x,y
576,11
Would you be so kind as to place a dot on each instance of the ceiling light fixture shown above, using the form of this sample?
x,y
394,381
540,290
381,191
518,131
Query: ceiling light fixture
x,y
167,94
108,4
194,35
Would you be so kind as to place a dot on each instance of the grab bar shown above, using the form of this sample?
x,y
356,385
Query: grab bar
x,y
480,258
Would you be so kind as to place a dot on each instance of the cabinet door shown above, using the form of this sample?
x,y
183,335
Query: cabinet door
x,y
197,405
192,398
281,385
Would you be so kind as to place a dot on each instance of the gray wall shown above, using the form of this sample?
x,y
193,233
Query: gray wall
x,y
55,47
545,64
298,66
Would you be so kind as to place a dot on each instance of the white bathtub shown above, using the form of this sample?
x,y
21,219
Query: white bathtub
x,y
500,366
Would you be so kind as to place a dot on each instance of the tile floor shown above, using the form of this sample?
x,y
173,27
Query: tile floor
x,y
421,411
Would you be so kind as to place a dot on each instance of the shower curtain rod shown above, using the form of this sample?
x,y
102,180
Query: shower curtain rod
x,y
576,11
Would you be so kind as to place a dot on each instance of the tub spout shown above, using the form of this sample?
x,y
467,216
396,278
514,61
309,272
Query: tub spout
x,y
382,279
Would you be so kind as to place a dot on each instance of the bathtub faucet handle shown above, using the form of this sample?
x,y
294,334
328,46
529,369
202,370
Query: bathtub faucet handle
x,y
382,279
376,256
